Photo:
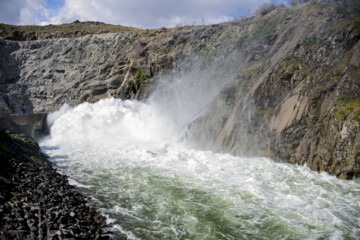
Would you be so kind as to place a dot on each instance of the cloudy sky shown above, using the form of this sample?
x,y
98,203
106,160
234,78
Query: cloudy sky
x,y
136,13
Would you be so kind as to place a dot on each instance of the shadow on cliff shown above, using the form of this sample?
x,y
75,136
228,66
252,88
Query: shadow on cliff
x,y
13,98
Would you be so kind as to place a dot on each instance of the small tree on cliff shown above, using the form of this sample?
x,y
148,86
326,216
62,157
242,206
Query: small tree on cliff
x,y
298,2
265,8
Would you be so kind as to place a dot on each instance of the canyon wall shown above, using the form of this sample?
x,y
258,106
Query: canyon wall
x,y
290,79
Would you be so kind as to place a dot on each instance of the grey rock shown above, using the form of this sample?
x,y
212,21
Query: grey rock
x,y
291,93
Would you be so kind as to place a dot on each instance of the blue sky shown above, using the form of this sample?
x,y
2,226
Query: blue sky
x,y
136,13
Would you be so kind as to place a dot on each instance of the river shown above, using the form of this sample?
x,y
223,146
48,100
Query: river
x,y
127,157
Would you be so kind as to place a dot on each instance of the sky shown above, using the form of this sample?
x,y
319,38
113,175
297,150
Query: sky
x,y
134,13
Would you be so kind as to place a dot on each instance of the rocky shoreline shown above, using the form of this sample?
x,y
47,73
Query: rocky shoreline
x,y
36,202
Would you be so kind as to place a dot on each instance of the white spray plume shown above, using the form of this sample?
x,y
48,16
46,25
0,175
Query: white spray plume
x,y
115,122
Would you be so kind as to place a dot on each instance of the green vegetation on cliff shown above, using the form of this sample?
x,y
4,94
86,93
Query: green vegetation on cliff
x,y
347,106
75,29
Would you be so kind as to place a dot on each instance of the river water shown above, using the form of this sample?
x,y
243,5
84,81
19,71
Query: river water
x,y
126,156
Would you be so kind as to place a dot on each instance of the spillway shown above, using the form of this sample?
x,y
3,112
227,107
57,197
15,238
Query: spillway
x,y
127,157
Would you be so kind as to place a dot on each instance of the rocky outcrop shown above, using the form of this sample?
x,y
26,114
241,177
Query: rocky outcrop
x,y
40,76
300,104
36,202
292,79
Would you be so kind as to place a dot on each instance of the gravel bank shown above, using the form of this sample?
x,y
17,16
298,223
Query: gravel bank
x,y
36,202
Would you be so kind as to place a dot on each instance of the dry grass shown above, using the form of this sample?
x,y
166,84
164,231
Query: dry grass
x,y
66,30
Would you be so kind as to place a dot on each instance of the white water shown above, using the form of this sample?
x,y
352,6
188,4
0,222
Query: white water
x,y
126,156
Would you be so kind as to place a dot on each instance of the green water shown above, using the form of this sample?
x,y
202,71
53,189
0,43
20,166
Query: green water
x,y
214,196
152,187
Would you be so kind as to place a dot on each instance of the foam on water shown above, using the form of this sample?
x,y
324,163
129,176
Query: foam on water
x,y
125,154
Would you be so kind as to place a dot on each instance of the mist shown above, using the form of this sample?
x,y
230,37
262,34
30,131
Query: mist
x,y
127,156
159,120
183,96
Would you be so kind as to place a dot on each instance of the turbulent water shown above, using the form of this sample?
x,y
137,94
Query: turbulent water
x,y
125,155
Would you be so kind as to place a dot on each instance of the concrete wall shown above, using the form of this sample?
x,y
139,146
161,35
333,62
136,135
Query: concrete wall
x,y
33,125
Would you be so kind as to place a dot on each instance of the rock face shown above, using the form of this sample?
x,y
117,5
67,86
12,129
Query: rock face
x,y
292,79
36,202
64,70
301,103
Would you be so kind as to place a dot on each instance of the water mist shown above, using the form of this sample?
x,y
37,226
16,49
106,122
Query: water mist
x,y
127,157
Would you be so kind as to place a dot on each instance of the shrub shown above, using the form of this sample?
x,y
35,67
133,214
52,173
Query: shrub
x,y
265,8
141,77
298,2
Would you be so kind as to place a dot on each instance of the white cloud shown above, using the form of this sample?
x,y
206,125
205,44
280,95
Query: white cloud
x,y
30,12
137,13
10,11
153,14
25,12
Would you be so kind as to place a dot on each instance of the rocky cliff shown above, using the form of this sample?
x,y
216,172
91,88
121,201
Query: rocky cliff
x,y
300,102
291,75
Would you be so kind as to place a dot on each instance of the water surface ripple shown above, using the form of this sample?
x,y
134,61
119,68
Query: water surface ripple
x,y
123,155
